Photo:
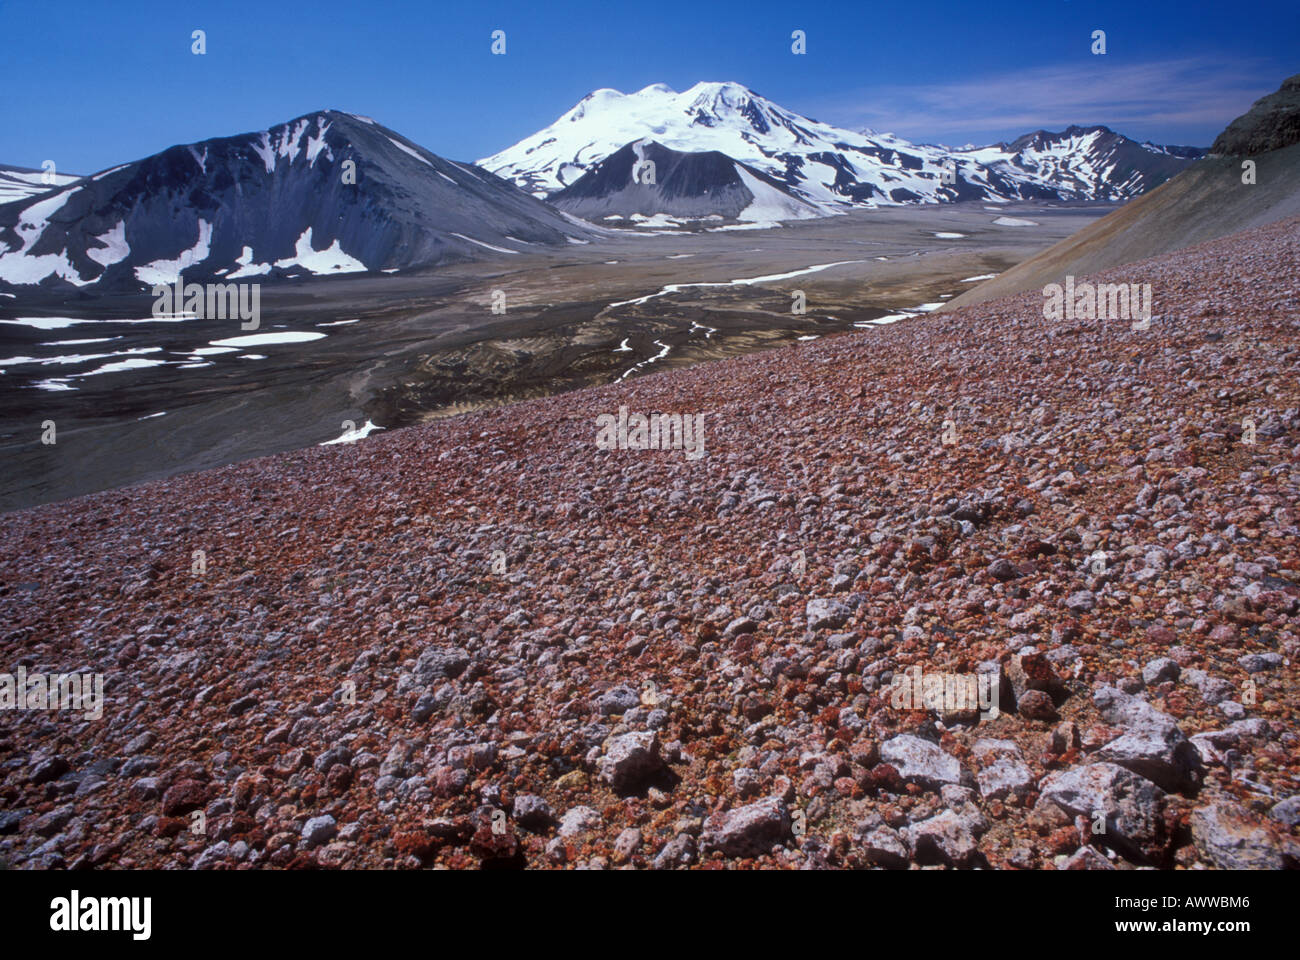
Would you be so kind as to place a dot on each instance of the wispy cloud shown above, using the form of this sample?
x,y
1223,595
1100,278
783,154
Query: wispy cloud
x,y
1184,97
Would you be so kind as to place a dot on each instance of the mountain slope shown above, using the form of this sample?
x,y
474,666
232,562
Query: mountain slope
x,y
719,630
271,204
1206,201
701,184
828,165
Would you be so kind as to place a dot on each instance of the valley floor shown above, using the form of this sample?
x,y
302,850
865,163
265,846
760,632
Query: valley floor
x,y
400,349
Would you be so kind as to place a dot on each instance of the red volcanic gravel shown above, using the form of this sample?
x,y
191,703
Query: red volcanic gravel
x,y
689,662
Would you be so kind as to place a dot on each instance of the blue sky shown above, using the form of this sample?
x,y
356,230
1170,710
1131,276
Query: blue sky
x,y
92,84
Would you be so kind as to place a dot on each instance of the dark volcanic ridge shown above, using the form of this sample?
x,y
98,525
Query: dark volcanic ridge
x,y
326,193
686,185
487,642
1272,122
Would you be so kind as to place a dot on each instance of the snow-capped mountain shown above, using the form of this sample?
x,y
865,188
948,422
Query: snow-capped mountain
x,y
687,185
829,166
272,204
1093,163
19,183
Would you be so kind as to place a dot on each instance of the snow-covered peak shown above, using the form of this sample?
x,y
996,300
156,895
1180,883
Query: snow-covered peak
x,y
823,164
720,95
723,116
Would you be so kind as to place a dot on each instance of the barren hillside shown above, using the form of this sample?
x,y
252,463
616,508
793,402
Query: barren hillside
x,y
656,679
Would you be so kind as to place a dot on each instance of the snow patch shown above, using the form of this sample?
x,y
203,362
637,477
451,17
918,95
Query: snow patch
x,y
19,266
77,343
114,248
263,149
45,323
770,203
317,143
118,366
247,268
482,244
758,225
169,271
352,436
414,153
259,339
71,359
330,260
658,356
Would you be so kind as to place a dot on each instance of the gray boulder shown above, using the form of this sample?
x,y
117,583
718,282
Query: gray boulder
x,y
630,760
921,761
748,831
1128,807
1233,839
1152,745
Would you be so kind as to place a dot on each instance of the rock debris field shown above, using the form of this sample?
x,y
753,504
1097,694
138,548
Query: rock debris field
x,y
484,642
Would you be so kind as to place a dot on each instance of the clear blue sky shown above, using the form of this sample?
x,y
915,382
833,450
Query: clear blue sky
x,y
92,84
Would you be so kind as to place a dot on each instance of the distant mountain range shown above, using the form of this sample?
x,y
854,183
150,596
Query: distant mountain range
x,y
278,203
1211,199
830,167
333,192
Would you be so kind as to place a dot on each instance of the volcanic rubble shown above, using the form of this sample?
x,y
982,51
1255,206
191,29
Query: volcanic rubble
x,y
485,642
